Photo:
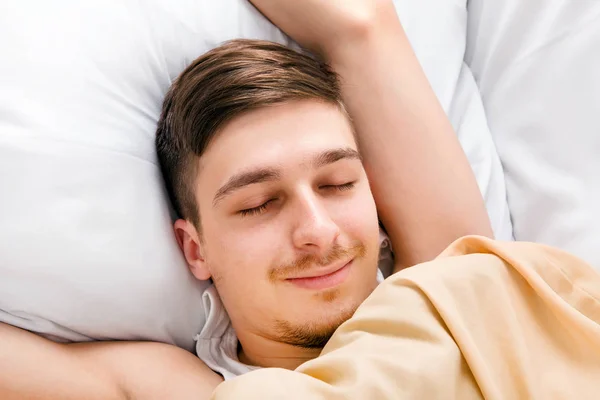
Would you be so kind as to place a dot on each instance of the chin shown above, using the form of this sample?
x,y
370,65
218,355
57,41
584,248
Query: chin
x,y
313,334
337,314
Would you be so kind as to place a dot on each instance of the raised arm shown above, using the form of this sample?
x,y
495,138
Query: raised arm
x,y
424,188
35,368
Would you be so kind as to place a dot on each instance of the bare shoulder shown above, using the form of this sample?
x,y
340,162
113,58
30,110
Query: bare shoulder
x,y
145,370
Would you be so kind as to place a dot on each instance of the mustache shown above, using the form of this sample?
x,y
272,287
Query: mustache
x,y
336,253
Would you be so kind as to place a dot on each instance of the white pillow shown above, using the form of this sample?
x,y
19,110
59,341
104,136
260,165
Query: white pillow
x,y
537,64
86,246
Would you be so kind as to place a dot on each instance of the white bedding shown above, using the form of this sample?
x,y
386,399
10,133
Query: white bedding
x,y
537,64
86,246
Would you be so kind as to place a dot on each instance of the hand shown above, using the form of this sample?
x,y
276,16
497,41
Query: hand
x,y
325,26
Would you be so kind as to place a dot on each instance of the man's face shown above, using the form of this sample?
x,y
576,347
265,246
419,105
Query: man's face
x,y
289,226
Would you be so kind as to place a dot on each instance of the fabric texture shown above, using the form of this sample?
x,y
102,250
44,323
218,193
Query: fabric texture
x,y
537,65
487,319
217,344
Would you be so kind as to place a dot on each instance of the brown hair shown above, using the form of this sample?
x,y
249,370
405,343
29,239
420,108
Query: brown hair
x,y
239,76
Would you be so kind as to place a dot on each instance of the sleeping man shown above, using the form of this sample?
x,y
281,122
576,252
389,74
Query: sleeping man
x,y
266,170
280,170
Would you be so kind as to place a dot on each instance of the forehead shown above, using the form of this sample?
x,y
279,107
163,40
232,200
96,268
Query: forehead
x,y
283,135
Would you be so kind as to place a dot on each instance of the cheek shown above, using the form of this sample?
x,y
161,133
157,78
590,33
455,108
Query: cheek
x,y
358,216
241,253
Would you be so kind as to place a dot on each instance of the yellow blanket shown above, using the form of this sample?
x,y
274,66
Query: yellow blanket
x,y
486,319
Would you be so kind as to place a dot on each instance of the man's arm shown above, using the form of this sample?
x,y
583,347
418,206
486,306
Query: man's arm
x,y
32,367
424,188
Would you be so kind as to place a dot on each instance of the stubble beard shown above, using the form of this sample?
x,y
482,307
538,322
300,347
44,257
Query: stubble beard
x,y
313,335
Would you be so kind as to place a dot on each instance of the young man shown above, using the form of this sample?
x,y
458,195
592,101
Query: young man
x,y
265,168
261,162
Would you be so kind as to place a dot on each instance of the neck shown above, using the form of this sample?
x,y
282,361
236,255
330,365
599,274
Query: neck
x,y
264,352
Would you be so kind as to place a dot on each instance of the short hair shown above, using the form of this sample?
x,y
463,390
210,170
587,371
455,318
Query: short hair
x,y
232,79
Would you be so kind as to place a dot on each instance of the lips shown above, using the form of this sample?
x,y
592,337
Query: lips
x,y
324,278
323,271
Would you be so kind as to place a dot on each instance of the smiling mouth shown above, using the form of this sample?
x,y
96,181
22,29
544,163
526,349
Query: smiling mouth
x,y
325,280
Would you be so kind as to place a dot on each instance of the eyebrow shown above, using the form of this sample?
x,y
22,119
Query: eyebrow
x,y
262,175
330,156
242,179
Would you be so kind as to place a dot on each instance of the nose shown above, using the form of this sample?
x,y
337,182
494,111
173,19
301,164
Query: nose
x,y
314,231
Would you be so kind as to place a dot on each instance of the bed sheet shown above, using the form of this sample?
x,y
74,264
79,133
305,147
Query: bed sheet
x,y
537,66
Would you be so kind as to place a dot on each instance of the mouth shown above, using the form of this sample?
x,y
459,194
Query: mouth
x,y
325,278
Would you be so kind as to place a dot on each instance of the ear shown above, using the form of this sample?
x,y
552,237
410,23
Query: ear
x,y
191,246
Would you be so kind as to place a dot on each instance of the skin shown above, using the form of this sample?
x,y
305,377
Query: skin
x,y
252,238
34,368
425,192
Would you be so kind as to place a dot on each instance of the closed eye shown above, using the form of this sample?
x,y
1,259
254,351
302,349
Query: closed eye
x,y
263,207
255,210
341,188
